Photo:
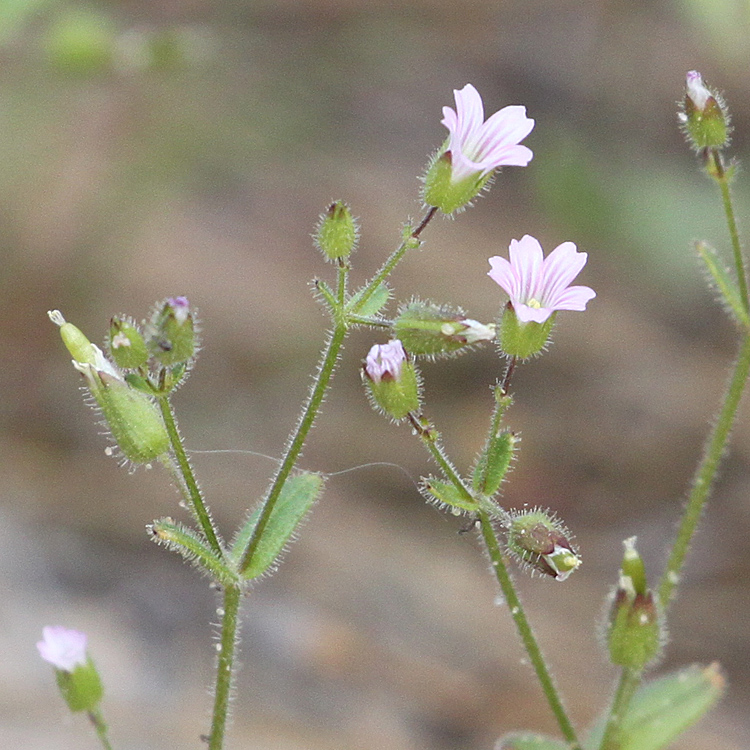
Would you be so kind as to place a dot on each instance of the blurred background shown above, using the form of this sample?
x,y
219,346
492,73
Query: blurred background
x,y
187,147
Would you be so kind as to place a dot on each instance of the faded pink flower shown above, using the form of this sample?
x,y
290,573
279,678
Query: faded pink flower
x,y
63,648
385,360
537,286
477,147
696,90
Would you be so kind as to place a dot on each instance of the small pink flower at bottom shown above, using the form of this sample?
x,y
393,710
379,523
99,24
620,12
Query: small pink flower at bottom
x,y
538,286
63,648
385,361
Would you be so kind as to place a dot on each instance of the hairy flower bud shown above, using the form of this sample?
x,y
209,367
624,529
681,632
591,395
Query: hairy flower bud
x,y
430,330
635,629
541,541
126,345
391,379
704,116
337,232
170,334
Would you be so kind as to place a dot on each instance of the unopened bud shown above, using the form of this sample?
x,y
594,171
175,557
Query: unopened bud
x,y
541,541
170,334
635,631
430,330
391,379
337,232
704,116
126,345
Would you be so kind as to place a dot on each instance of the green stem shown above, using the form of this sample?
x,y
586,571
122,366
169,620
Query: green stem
x,y
97,721
706,473
525,632
392,261
720,175
297,438
194,497
626,687
225,666
429,437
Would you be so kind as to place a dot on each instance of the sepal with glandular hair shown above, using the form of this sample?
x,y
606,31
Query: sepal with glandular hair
x,y
170,333
429,330
132,417
542,543
522,340
704,116
337,232
126,345
635,629
391,380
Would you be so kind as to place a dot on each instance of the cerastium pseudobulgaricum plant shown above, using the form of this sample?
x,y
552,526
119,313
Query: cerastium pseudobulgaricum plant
x,y
131,383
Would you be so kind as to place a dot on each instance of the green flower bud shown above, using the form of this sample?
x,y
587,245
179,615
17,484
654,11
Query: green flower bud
x,y
170,334
337,232
132,416
392,380
430,330
635,632
541,542
704,116
126,345
523,340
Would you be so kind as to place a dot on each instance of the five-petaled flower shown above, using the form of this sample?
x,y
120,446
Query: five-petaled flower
x,y
63,648
538,286
385,361
478,147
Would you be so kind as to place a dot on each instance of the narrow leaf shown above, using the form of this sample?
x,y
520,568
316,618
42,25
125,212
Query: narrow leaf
x,y
664,708
297,497
723,283
493,463
447,495
374,304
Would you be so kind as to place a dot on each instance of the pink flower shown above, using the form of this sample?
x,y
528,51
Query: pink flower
x,y
537,287
385,361
477,147
697,92
63,648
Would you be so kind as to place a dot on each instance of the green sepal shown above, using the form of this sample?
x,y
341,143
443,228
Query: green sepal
x,y
299,494
170,334
82,688
134,380
447,495
530,741
374,303
183,540
493,463
126,345
723,283
523,340
337,232
442,192
664,708
396,397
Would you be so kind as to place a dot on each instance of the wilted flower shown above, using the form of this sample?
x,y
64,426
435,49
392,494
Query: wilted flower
x,y
63,648
385,361
704,115
478,147
538,286
696,90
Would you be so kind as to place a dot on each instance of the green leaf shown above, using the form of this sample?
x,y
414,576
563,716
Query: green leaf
x,y
374,303
297,497
723,283
493,463
447,495
528,741
664,708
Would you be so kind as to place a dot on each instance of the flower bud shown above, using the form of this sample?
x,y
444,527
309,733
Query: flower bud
x,y
337,232
704,115
135,422
126,345
76,674
391,379
635,631
170,334
429,330
540,541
